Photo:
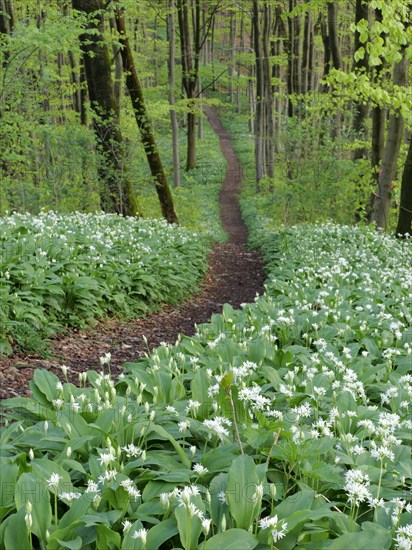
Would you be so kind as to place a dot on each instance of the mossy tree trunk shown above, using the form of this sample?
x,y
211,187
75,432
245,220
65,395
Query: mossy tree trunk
x,y
382,199
142,119
116,194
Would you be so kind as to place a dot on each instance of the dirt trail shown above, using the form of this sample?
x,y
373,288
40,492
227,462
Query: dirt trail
x,y
235,276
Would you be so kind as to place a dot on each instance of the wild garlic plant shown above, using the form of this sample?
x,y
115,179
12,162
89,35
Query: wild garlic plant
x,y
285,424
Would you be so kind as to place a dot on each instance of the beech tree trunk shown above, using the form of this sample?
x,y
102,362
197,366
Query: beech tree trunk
x,y
259,112
7,23
268,94
189,79
335,56
172,98
232,45
116,194
6,17
382,200
404,226
291,79
139,107
333,34
326,47
360,66
264,122
307,54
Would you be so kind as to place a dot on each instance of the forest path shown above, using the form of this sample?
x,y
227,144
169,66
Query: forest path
x,y
235,276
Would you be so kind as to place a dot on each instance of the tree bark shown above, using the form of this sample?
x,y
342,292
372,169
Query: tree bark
x,y
232,46
333,34
268,94
326,47
118,68
360,66
259,112
7,24
117,193
404,226
382,200
307,54
172,98
136,95
336,57
291,79
7,21
189,80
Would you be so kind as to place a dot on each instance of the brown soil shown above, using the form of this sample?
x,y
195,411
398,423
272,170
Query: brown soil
x,y
235,276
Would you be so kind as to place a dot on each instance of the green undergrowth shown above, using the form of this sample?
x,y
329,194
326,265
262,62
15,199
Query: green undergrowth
x,y
285,424
70,270
315,179
197,198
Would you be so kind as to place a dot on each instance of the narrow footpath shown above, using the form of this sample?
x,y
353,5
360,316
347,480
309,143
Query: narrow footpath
x,y
235,276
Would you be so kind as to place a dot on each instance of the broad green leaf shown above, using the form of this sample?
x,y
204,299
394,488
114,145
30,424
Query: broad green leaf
x,y
232,539
8,477
29,488
241,487
364,540
75,544
189,526
161,533
106,538
16,536
163,433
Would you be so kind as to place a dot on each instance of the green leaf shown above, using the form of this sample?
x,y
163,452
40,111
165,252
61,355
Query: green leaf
x,y
189,526
199,387
16,536
46,382
163,433
364,540
161,533
241,486
29,488
8,476
106,538
75,544
235,539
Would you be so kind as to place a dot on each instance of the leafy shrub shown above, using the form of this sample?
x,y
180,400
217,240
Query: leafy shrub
x,y
285,424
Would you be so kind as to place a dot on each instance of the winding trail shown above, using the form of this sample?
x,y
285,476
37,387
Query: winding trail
x,y
235,276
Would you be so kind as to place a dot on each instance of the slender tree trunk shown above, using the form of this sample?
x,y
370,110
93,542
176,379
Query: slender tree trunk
x,y
268,93
172,99
381,204
189,78
239,65
232,46
139,107
118,67
307,53
7,22
360,66
280,35
404,226
335,55
333,34
117,194
326,47
200,117
75,81
259,115
291,79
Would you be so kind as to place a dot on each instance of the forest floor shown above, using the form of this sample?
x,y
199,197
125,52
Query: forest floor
x,y
235,276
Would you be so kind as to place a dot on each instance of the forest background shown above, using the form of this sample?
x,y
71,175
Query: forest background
x,y
323,87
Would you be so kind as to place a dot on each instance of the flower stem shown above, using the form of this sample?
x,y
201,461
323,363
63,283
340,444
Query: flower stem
x,y
232,406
